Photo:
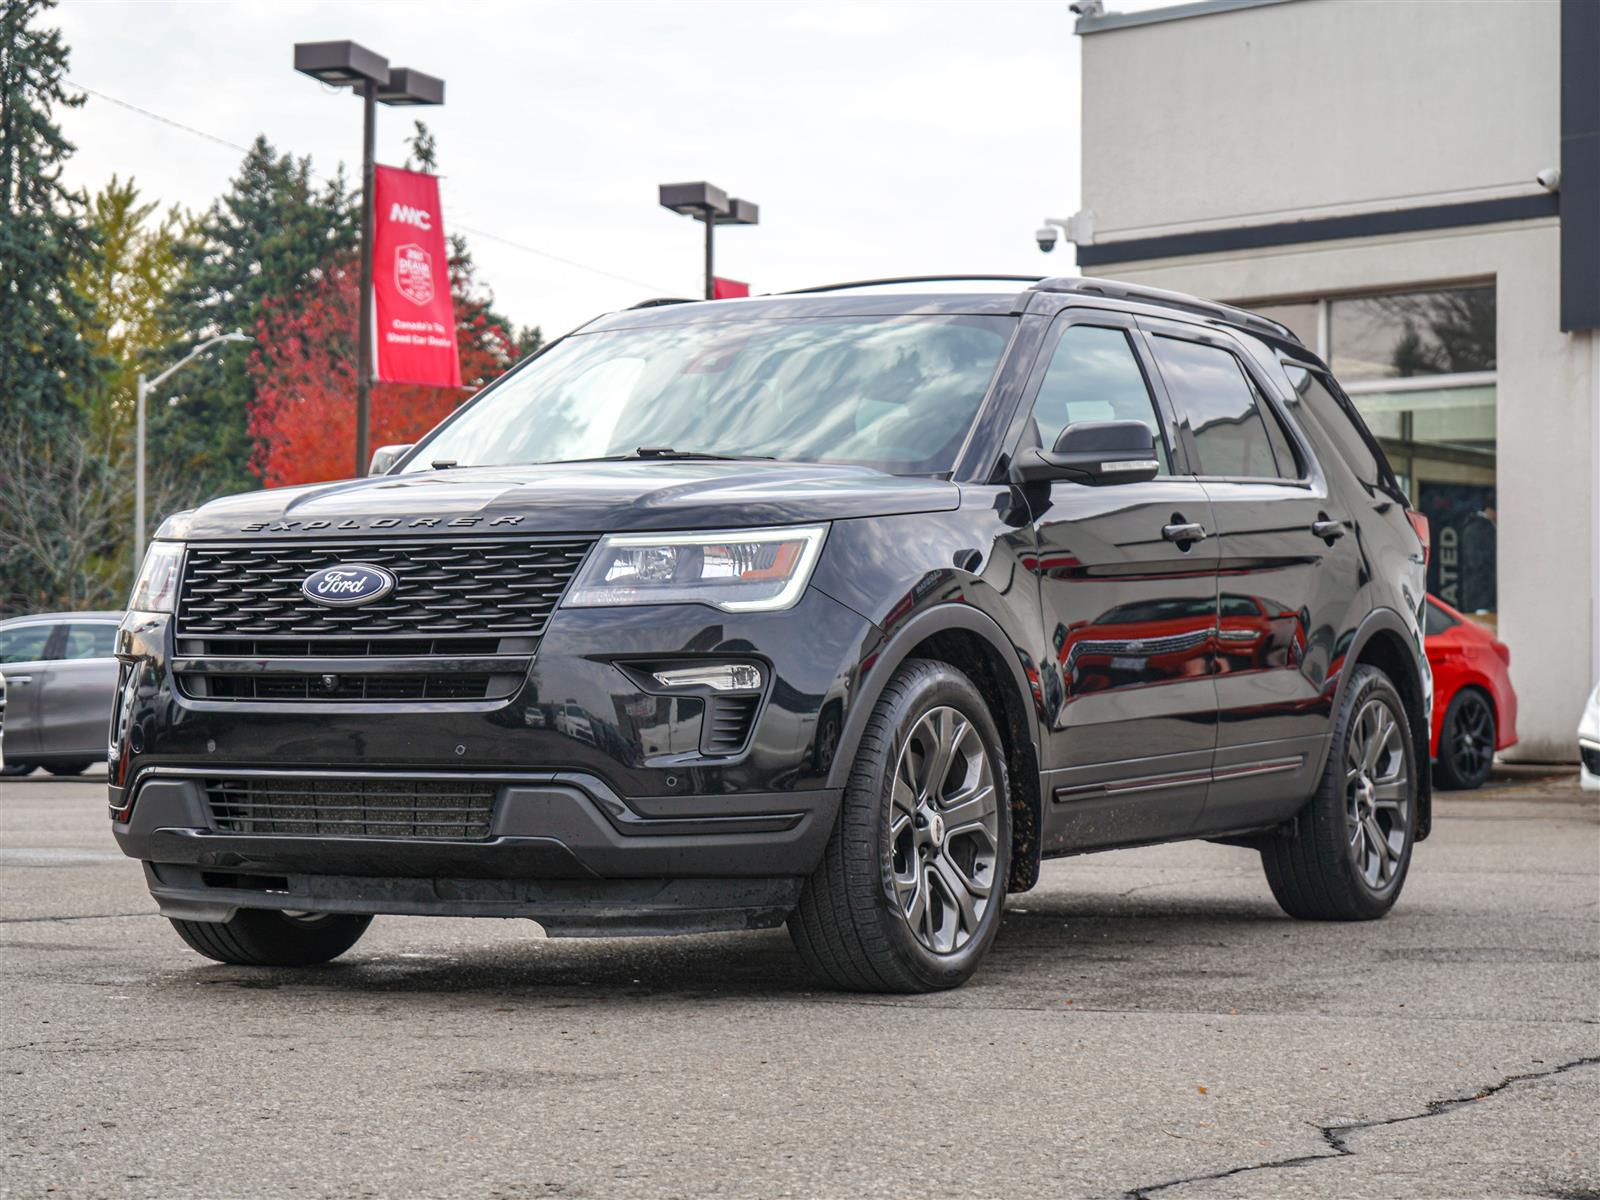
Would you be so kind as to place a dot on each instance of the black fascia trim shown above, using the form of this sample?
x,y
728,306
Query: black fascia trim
x,y
1323,229
1580,165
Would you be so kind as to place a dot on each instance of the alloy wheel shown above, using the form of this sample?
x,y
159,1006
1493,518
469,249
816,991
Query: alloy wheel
x,y
1377,794
1471,737
943,830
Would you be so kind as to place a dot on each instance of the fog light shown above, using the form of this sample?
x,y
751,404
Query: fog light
x,y
719,677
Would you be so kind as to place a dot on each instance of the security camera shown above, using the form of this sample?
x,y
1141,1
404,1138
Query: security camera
x,y
1047,236
1087,8
1549,179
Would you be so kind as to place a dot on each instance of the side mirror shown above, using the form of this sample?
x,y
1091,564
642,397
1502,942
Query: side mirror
x,y
385,457
1093,452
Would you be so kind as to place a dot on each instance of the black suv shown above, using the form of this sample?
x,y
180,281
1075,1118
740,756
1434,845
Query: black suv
x,y
843,608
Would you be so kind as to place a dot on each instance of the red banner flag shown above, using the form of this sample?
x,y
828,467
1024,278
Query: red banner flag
x,y
728,289
416,325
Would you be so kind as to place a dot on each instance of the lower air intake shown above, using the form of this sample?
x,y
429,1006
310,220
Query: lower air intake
x,y
388,808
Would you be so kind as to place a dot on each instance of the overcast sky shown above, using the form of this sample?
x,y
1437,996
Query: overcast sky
x,y
878,138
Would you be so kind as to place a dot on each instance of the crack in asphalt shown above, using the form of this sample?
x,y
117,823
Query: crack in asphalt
x,y
1337,1136
81,917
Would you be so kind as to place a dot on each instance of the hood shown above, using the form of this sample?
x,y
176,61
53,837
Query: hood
x,y
592,497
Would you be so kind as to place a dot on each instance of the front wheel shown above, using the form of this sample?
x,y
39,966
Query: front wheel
x,y
1350,852
258,937
1466,742
66,770
909,894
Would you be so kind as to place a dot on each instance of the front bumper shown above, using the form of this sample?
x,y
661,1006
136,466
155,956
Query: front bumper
x,y
562,849
608,813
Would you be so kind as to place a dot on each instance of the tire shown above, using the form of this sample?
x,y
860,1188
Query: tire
x,y
68,769
1349,856
1466,742
258,937
881,912
15,770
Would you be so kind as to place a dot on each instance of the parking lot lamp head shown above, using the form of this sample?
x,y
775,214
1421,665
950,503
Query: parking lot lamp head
x,y
708,203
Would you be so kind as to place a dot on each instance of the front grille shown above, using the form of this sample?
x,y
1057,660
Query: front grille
x,y
353,647
348,688
462,623
479,586
388,808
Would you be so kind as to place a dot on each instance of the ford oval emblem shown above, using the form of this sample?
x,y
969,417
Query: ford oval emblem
x,y
345,585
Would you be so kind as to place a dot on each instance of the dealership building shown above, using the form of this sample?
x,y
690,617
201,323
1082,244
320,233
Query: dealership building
x,y
1413,187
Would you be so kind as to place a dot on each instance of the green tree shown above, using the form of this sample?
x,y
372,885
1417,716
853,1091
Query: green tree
x,y
46,364
43,358
529,341
127,286
271,234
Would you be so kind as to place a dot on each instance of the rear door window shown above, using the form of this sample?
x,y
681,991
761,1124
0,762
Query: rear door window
x,y
1232,437
90,640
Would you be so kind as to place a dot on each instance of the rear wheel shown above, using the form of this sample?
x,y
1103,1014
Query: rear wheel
x,y
14,769
1466,742
909,894
70,768
258,937
1348,858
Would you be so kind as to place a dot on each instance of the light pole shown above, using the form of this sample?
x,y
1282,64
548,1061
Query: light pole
x,y
344,64
705,202
141,394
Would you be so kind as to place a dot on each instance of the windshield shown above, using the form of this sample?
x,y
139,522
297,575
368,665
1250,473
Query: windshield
x,y
895,393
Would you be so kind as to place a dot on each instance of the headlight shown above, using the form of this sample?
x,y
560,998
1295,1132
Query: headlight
x,y
738,570
156,589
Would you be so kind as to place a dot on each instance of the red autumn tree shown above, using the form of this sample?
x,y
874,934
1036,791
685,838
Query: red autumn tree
x,y
303,366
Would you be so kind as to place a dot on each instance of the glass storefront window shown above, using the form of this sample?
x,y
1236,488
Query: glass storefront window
x,y
1442,442
1399,335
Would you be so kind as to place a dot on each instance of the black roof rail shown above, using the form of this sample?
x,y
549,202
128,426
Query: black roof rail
x,y
659,301
1112,290
862,283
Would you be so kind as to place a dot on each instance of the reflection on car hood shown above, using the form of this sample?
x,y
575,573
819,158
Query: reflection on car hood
x,y
591,497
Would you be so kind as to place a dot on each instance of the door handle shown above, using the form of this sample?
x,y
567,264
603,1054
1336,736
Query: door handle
x,y
10,679
1185,532
1328,529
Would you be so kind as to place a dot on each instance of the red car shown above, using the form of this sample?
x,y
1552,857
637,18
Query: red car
x,y
1474,706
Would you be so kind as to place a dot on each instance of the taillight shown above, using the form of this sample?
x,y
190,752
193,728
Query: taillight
x,y
1419,526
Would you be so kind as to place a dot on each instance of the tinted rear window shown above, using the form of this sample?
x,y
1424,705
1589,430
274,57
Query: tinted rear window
x,y
1435,620
1338,420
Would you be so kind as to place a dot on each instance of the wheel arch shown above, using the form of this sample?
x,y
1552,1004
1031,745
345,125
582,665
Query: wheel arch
x,y
974,644
1383,640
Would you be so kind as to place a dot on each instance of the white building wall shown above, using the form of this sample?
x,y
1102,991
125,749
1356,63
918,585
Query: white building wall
x,y
1317,108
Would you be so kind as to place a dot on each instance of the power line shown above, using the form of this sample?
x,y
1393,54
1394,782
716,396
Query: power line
x,y
483,233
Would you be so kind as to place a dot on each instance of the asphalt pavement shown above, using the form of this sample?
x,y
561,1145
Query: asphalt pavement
x,y
1148,1024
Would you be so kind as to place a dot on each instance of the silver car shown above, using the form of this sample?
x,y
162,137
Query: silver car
x,y
60,681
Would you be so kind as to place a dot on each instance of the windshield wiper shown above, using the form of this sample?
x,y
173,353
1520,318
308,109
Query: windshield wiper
x,y
669,452
646,453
